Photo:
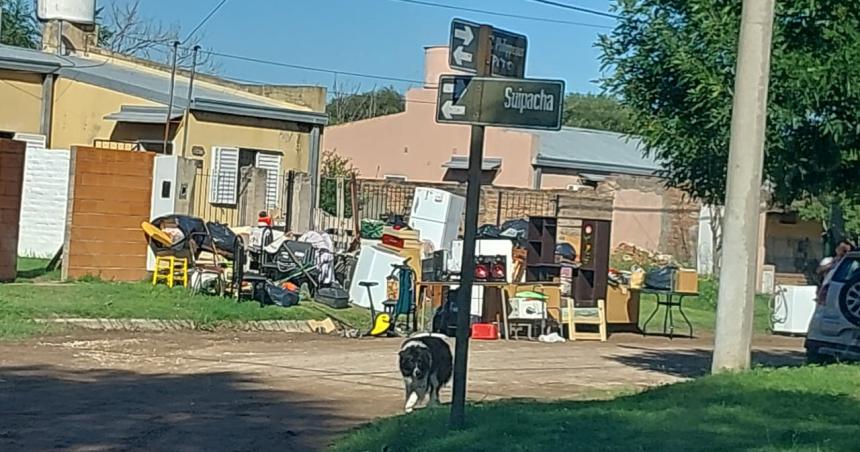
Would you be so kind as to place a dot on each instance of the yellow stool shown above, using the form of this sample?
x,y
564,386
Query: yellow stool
x,y
170,270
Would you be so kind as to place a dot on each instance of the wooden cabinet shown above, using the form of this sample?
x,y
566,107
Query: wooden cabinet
x,y
622,306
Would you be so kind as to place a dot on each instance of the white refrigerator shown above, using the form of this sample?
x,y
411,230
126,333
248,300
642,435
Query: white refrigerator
x,y
436,215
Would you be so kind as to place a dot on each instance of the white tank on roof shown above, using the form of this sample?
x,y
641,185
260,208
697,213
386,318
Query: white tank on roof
x,y
77,11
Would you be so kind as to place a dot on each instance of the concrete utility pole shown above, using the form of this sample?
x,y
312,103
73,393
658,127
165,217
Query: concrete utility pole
x,y
743,192
170,100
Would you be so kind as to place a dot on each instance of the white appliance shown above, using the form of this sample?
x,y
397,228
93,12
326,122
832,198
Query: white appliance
x,y
172,190
793,309
374,265
527,309
483,247
436,215
78,11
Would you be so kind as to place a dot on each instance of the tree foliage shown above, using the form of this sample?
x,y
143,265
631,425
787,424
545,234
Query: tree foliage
x,y
355,106
595,111
334,168
19,26
672,63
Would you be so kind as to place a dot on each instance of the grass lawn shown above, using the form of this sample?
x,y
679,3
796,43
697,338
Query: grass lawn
x,y
701,311
796,409
20,304
31,269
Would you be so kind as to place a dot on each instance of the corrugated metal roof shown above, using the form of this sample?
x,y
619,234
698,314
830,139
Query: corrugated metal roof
x,y
593,151
154,85
461,162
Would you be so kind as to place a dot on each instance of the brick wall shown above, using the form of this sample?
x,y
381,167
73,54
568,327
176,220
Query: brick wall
x,y
676,228
109,196
44,202
11,180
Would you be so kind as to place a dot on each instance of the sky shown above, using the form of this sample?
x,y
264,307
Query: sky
x,y
378,37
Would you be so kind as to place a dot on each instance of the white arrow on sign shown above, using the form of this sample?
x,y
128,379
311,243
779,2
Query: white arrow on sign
x,y
464,35
449,109
461,55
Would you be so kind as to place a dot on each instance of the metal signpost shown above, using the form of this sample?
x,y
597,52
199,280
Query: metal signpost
x,y
528,104
482,101
507,54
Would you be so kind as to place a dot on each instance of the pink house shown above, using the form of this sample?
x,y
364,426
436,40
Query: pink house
x,y
412,146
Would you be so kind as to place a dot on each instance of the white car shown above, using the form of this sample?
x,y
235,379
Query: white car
x,y
834,331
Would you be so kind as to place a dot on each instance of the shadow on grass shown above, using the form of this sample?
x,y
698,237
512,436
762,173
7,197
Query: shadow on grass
x,y
780,409
46,408
697,362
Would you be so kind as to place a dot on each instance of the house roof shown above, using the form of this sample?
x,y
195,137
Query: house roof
x,y
153,85
143,114
593,151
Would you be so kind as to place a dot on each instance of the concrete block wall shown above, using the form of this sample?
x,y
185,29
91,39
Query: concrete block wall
x,y
110,194
43,203
11,182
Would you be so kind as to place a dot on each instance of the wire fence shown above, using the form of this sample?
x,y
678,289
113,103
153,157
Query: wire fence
x,y
214,199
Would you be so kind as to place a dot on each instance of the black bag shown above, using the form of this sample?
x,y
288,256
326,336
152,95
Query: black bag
x,y
488,231
284,298
660,278
223,239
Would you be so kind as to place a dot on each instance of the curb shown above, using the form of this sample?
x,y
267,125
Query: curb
x,y
150,325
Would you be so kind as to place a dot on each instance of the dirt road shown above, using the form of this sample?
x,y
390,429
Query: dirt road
x,y
197,391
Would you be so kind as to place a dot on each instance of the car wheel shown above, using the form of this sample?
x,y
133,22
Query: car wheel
x,y
849,301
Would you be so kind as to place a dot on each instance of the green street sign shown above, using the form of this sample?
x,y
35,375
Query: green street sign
x,y
487,101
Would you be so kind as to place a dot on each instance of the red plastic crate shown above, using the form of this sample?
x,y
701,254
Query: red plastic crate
x,y
485,331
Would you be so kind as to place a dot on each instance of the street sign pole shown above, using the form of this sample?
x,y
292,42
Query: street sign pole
x,y
467,268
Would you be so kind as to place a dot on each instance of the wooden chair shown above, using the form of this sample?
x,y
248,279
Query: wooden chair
x,y
586,316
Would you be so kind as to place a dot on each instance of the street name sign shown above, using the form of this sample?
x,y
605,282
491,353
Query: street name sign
x,y
487,101
508,50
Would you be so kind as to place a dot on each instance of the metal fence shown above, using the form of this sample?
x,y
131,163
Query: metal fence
x,y
380,200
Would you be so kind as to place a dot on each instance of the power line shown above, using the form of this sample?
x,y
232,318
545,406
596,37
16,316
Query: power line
x,y
287,65
205,19
577,8
498,14
310,68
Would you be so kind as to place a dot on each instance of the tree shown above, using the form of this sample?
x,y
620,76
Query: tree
x,y
127,31
672,64
355,106
595,111
336,168
18,26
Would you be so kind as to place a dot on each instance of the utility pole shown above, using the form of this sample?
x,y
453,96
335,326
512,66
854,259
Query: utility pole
x,y
170,100
743,192
467,267
187,115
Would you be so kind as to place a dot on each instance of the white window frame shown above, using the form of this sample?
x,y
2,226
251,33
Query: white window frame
x,y
224,175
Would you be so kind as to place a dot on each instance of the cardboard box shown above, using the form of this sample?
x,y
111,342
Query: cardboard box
x,y
686,281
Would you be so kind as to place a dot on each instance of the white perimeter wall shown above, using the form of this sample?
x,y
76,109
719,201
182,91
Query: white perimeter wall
x,y
44,201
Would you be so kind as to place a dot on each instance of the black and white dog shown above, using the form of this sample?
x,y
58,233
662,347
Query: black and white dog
x,y
426,364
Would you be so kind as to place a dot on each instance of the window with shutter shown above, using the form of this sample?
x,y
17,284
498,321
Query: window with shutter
x,y
224,176
272,164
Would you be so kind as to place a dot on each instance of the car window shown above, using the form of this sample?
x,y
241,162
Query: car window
x,y
848,269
